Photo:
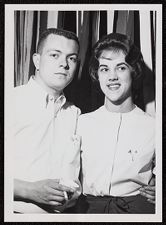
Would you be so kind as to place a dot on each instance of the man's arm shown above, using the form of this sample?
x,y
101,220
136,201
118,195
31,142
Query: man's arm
x,y
149,191
48,192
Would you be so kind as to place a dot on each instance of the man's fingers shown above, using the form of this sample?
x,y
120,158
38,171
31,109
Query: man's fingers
x,y
55,195
152,181
54,203
56,192
149,192
148,195
56,198
59,187
150,188
151,201
65,188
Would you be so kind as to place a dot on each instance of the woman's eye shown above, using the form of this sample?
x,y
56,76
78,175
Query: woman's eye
x,y
103,69
121,68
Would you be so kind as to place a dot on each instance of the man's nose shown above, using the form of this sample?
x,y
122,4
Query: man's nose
x,y
64,63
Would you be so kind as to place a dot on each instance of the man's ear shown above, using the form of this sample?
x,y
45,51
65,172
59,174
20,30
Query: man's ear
x,y
36,60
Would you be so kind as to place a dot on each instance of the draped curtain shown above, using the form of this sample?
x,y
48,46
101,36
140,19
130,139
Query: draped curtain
x,y
89,27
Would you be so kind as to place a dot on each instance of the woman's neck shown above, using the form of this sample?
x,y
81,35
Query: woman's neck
x,y
124,107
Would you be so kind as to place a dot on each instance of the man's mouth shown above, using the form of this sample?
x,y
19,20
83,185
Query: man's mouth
x,y
63,74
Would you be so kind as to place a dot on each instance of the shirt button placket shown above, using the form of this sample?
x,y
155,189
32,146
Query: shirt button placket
x,y
51,105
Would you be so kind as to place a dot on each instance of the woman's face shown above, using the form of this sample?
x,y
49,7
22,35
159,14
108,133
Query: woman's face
x,y
114,76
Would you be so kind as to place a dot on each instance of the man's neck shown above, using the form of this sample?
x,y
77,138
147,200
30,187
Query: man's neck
x,y
124,107
50,91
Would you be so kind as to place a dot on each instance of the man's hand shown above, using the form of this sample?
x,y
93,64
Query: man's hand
x,y
48,192
149,191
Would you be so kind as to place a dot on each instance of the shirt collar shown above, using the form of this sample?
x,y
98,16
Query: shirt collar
x,y
42,95
59,101
104,110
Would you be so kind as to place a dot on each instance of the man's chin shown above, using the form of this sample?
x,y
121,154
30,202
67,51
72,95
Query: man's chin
x,y
60,87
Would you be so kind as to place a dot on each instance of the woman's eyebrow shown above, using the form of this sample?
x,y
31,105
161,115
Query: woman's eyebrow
x,y
118,64
103,65
123,63
102,57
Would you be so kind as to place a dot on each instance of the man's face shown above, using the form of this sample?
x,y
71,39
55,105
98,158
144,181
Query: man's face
x,y
114,76
57,62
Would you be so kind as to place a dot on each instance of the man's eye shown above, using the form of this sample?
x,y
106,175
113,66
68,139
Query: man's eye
x,y
54,55
73,59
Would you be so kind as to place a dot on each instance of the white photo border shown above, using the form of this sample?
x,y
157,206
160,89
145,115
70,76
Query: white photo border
x,y
9,216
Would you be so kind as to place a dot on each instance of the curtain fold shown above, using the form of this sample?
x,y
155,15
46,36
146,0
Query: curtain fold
x,y
23,38
28,28
146,39
95,27
130,25
103,23
83,28
110,21
122,22
52,19
146,48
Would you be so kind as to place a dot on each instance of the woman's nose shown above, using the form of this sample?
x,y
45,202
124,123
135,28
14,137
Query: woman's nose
x,y
112,75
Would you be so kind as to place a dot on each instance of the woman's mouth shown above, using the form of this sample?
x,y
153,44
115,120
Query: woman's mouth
x,y
114,86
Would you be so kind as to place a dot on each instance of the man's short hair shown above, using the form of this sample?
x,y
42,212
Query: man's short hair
x,y
118,42
56,31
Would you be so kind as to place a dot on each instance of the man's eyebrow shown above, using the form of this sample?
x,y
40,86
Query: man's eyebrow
x,y
53,49
56,50
71,54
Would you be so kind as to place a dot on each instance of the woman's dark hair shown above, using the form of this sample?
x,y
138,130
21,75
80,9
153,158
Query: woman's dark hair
x,y
118,42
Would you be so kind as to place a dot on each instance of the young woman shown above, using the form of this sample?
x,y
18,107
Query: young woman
x,y
118,146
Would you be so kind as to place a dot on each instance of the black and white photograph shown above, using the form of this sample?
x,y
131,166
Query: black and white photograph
x,y
83,113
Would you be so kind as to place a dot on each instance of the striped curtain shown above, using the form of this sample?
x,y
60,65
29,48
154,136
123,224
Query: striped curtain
x,y
89,26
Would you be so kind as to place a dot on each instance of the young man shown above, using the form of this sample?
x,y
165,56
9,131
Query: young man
x,y
118,138
46,155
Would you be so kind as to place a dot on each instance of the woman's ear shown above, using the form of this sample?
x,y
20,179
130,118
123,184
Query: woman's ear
x,y
36,60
